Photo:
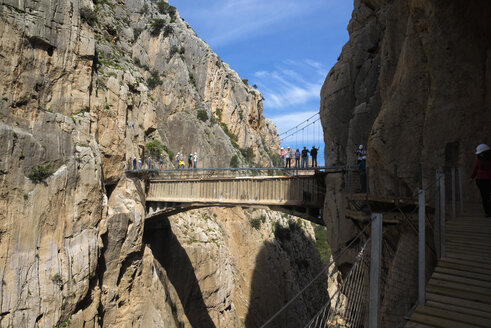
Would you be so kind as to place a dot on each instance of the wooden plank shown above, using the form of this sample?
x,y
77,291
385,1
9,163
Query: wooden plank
x,y
460,309
459,279
457,301
465,274
454,316
486,292
438,322
458,293
412,324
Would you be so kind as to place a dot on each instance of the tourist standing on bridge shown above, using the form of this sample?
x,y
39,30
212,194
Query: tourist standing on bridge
x,y
282,157
360,152
362,163
149,163
161,161
139,163
305,158
134,163
195,160
482,174
181,160
313,153
176,159
288,156
297,158
190,161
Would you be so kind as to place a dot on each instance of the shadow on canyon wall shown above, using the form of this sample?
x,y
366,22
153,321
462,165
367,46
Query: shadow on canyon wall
x,y
173,258
283,268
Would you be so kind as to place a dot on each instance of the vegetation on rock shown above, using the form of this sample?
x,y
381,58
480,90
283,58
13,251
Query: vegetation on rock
x,y
40,173
202,115
156,26
88,15
153,80
155,148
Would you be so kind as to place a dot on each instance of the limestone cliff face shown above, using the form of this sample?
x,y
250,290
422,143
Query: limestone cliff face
x,y
413,84
83,89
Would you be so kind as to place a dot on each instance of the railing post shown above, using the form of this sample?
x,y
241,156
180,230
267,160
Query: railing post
x,y
421,247
375,265
461,194
442,214
436,232
454,204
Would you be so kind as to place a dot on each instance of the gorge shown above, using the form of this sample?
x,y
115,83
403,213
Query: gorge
x,y
86,86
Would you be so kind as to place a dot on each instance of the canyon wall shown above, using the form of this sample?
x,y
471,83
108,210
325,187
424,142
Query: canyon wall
x,y
413,84
84,88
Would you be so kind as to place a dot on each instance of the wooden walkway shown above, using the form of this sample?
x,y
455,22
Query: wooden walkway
x,y
458,294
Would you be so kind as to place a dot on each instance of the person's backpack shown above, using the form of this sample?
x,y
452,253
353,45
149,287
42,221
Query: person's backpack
x,y
190,158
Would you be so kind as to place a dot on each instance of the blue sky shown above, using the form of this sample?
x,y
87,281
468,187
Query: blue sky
x,y
285,47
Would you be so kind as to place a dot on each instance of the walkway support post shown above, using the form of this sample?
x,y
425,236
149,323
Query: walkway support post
x,y
421,247
436,234
375,266
461,194
442,214
454,200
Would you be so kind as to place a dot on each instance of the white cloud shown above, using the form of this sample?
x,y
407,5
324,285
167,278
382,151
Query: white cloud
x,y
291,84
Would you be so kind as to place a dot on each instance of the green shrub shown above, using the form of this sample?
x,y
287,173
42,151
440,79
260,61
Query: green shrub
x,y
153,80
168,30
248,153
88,15
233,137
321,243
281,233
144,9
173,50
164,8
156,26
234,161
169,152
245,81
202,115
136,32
155,148
255,223
40,173
218,112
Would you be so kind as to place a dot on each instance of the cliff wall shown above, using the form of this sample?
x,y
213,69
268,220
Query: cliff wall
x,y
84,88
413,85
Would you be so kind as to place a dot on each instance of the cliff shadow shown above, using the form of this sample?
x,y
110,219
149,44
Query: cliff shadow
x,y
283,267
168,251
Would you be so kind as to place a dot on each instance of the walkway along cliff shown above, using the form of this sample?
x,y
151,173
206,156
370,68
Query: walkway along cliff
x,y
413,84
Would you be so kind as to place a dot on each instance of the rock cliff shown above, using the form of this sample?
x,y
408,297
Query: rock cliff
x,y
85,87
413,84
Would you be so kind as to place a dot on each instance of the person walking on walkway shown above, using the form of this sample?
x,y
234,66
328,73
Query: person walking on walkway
x,y
190,161
288,156
195,160
482,174
177,160
161,161
149,163
297,158
134,163
313,153
305,158
139,164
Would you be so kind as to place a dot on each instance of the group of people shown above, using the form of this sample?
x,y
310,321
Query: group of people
x,y
287,154
192,160
138,164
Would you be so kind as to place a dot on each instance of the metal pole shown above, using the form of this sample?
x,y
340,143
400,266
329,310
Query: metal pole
x,y
396,183
442,214
436,234
375,265
421,248
461,194
454,204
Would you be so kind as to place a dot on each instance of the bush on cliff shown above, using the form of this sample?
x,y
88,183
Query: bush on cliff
x,y
88,15
155,148
40,173
153,80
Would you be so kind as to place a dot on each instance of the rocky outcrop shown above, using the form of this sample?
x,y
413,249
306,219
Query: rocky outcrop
x,y
84,88
412,84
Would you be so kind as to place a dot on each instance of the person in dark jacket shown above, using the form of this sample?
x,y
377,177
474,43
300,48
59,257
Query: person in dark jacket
x,y
313,153
482,174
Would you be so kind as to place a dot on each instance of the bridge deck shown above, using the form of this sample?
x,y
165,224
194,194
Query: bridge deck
x,y
459,291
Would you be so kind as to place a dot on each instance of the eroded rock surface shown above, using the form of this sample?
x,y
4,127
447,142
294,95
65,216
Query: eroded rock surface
x,y
413,85
84,87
